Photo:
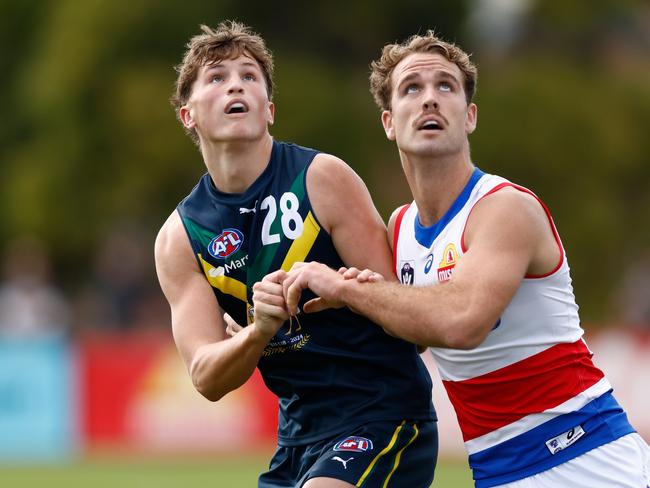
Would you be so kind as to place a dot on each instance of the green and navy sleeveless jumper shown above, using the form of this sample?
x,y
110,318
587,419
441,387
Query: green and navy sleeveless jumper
x,y
331,370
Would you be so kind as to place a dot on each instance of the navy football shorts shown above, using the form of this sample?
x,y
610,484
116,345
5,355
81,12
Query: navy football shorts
x,y
392,454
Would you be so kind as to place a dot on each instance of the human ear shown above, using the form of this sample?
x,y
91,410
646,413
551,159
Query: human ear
x,y
387,122
472,118
186,117
270,118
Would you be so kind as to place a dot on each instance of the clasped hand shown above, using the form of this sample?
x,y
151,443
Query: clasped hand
x,y
276,297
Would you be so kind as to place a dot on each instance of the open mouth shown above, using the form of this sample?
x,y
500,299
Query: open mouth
x,y
430,125
236,108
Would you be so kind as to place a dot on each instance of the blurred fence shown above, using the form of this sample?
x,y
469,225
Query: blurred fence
x,y
131,392
38,415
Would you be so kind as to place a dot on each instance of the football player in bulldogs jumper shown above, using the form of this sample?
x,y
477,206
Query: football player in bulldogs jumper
x,y
491,293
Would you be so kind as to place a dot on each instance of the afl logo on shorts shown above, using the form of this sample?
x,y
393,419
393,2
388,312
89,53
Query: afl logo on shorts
x,y
354,444
226,243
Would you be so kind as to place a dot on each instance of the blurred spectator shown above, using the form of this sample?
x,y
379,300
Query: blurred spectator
x,y
122,293
633,301
30,304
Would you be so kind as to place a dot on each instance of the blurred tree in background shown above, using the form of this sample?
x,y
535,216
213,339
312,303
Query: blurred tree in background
x,y
89,143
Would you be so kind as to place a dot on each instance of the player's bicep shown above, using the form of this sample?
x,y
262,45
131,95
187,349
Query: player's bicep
x,y
501,239
196,320
343,204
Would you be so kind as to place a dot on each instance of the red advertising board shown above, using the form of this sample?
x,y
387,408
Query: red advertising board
x,y
136,393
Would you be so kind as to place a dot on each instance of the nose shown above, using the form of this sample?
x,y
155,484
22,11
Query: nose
x,y
430,102
430,105
235,86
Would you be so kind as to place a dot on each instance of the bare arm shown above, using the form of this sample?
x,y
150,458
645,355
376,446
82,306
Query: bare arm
x,y
345,209
507,236
216,364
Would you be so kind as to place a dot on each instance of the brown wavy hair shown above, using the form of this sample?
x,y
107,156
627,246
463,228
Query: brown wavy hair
x,y
392,54
229,40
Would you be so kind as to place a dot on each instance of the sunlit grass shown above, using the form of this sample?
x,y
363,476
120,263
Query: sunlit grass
x,y
227,472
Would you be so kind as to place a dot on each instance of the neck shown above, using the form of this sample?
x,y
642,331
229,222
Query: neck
x,y
235,165
436,182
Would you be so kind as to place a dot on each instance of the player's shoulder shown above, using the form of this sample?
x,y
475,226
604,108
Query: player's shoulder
x,y
327,164
510,200
511,210
333,174
337,194
394,221
171,238
398,213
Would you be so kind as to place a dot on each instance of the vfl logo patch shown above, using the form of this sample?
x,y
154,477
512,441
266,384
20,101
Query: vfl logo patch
x,y
407,274
564,440
449,260
226,243
354,444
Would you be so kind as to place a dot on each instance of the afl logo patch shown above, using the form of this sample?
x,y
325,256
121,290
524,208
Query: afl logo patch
x,y
354,444
226,243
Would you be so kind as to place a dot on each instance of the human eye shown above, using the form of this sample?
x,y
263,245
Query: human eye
x,y
445,86
412,88
249,77
216,78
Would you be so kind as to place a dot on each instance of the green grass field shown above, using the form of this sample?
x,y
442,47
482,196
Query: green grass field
x,y
168,473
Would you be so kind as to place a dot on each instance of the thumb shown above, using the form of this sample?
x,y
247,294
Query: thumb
x,y
319,304
232,327
315,305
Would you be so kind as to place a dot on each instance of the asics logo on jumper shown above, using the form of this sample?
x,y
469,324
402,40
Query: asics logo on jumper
x,y
343,462
428,264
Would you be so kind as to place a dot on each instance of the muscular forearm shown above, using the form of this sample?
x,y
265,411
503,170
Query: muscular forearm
x,y
224,366
414,314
